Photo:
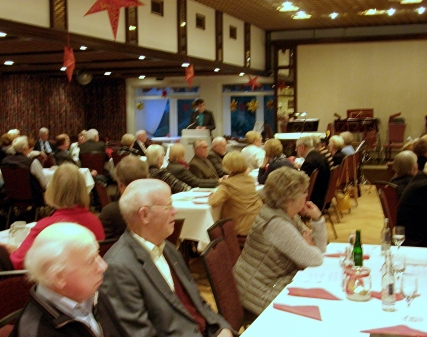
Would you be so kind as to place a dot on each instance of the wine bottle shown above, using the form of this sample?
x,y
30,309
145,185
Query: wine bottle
x,y
388,294
358,251
385,237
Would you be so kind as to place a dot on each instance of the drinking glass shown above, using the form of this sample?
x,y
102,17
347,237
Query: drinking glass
x,y
399,266
409,289
398,236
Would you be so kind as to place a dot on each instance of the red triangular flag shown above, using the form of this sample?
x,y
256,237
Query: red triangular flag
x,y
189,75
69,62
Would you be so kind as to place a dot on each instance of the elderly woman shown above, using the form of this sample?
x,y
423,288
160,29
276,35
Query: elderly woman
x,y
279,244
253,153
347,137
181,170
237,194
420,149
155,155
405,167
336,143
274,158
67,194
127,142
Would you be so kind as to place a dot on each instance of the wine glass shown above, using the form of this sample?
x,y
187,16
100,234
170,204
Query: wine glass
x,y
409,289
398,236
399,266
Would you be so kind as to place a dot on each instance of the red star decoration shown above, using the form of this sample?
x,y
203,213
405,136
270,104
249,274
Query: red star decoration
x,y
189,75
282,86
113,7
253,82
242,106
69,62
164,93
186,107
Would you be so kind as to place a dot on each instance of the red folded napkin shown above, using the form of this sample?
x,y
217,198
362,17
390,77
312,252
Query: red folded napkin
x,y
377,294
398,330
310,311
365,256
313,293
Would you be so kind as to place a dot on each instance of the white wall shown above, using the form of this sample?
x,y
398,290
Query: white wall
x,y
233,49
31,12
158,32
387,76
257,48
200,43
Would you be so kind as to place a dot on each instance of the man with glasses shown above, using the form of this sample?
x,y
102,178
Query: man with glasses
x,y
147,281
200,165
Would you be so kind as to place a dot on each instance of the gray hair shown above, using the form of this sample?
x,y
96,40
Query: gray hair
x,y
306,141
283,185
404,163
218,140
127,139
43,130
20,144
153,153
52,248
131,168
337,142
347,136
197,143
91,134
140,132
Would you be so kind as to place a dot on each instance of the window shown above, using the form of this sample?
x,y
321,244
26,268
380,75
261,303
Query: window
x,y
233,32
200,21
157,7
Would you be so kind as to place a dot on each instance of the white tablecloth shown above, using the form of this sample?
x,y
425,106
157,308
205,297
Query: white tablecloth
x,y
90,183
198,217
345,317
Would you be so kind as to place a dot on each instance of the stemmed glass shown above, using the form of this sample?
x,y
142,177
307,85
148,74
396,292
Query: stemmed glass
x,y
399,266
409,289
398,236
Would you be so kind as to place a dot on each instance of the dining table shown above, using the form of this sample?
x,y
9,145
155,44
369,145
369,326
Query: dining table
x,y
302,309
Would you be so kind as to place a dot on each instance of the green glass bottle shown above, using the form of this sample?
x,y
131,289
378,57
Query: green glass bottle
x,y
358,251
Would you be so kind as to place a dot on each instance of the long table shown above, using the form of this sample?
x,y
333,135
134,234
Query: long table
x,y
89,182
344,317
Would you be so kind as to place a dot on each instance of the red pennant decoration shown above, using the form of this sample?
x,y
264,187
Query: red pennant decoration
x,y
113,7
189,75
282,86
164,93
253,82
69,61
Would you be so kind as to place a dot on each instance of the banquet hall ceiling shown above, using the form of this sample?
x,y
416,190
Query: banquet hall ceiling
x,y
40,51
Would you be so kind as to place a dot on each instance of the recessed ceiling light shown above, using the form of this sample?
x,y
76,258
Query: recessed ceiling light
x,y
141,77
8,63
63,68
185,64
421,10
391,11
287,6
132,27
301,15
333,15
241,74
183,24
141,57
107,73
216,70
83,47
2,34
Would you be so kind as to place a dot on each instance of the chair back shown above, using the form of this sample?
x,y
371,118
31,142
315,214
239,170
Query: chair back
x,y
226,229
217,260
389,200
93,161
105,245
215,231
344,172
49,161
102,191
332,185
17,181
174,237
5,263
396,133
117,157
313,178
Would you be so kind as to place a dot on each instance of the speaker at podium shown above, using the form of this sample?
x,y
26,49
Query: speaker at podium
x,y
189,136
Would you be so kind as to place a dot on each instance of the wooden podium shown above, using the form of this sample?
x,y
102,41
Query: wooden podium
x,y
189,136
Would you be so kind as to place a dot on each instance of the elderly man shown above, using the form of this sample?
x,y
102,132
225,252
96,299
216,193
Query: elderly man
x,y
147,281
92,144
215,155
200,166
65,264
42,144
141,142
314,160
130,168
405,167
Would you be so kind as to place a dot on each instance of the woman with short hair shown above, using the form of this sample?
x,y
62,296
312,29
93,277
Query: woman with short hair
x,y
279,244
127,142
274,159
336,143
237,194
253,153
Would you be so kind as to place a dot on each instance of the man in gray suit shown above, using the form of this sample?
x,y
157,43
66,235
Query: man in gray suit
x,y
200,166
147,281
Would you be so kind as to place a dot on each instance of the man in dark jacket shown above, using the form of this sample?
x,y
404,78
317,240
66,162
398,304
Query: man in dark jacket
x,y
201,118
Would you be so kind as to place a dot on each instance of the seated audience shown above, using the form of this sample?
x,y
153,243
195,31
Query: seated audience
x,y
348,149
217,153
274,158
237,194
67,194
279,244
200,166
20,159
6,145
92,143
141,144
181,170
127,142
314,160
412,211
67,269
147,281
420,149
127,170
43,144
405,167
61,154
335,145
321,146
155,155
75,147
253,153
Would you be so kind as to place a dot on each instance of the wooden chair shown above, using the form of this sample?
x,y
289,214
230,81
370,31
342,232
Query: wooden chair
x,y
105,245
117,157
313,178
395,136
229,234
330,194
389,201
93,161
102,192
174,237
218,266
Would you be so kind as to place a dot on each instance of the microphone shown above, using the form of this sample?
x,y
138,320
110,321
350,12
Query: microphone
x,y
337,115
191,124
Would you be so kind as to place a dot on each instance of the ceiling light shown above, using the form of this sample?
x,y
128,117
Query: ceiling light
x,y
391,11
8,63
141,57
287,6
132,27
107,73
2,34
408,2
421,10
141,77
185,64
183,24
241,74
63,68
83,47
216,70
333,15
301,15
371,11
